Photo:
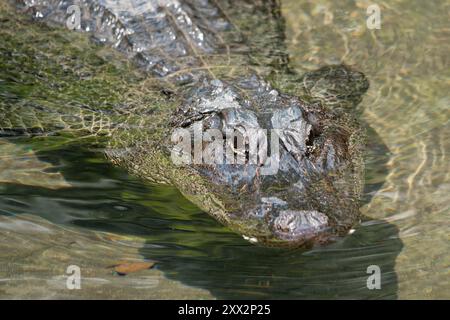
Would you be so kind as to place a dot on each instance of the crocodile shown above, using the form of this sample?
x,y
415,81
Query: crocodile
x,y
218,65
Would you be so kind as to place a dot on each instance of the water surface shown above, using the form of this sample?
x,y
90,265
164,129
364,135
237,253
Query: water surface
x,y
68,205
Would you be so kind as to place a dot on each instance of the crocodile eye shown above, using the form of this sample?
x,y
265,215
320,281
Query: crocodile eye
x,y
313,135
294,130
310,139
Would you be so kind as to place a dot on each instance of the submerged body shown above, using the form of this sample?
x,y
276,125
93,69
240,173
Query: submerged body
x,y
222,65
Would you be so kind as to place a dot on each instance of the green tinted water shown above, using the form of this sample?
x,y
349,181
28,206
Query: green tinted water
x,y
67,205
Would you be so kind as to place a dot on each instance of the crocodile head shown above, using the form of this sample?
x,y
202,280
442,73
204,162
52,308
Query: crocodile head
x,y
273,167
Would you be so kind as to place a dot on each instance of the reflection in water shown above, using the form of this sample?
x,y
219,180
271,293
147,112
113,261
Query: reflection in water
x,y
406,226
232,269
193,248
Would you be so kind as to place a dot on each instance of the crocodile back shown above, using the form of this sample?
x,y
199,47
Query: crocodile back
x,y
179,40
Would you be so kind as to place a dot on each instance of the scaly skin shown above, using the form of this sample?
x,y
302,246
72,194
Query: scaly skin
x,y
220,65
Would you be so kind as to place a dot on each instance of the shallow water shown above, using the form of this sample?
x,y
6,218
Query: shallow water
x,y
68,205
408,105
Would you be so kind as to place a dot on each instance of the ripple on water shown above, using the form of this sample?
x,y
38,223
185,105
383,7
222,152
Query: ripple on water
x,y
80,210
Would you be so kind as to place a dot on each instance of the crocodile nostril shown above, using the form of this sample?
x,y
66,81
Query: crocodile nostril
x,y
300,225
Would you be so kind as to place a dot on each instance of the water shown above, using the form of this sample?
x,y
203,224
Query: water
x,y
68,205
407,63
